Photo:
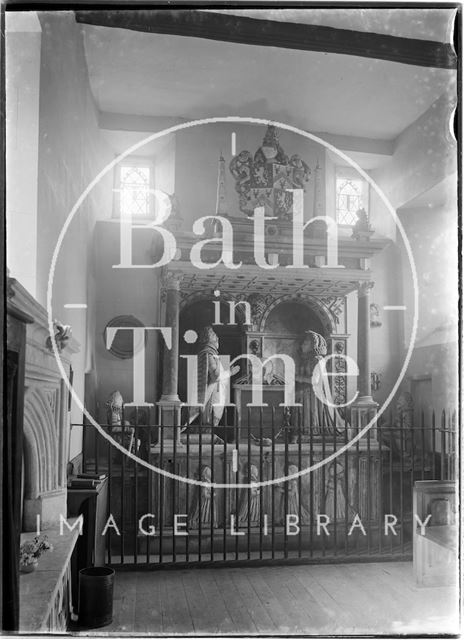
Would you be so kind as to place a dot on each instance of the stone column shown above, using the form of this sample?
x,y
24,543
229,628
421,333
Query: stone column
x,y
169,403
364,408
364,377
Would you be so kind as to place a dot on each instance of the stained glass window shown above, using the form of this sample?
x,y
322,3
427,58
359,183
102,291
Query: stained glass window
x,y
134,191
349,200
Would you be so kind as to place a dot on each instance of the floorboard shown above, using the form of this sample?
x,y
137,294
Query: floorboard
x,y
345,599
260,616
234,603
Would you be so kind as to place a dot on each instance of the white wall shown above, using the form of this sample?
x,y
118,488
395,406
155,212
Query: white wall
x,y
425,157
22,71
433,232
55,150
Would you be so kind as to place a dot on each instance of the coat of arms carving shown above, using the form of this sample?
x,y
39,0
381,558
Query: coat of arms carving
x,y
267,178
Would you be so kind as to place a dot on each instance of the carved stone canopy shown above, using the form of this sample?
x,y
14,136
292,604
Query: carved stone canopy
x,y
252,279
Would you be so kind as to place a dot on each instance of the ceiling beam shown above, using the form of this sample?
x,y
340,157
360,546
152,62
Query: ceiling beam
x,y
287,35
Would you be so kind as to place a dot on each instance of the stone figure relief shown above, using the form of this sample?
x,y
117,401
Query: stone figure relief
x,y
289,499
253,514
335,508
204,498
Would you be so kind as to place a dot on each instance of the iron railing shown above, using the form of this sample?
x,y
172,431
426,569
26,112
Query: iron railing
x,y
356,506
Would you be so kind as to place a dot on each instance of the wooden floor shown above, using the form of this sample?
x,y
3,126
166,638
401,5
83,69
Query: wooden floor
x,y
305,599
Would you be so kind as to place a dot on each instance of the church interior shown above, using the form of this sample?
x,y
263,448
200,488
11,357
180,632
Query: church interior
x,y
231,358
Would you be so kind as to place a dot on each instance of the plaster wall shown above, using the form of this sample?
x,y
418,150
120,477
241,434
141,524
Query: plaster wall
x,y
433,235
425,157
124,292
22,73
425,153
71,154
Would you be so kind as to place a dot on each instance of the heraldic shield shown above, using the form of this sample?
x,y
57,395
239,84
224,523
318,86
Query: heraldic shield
x,y
267,179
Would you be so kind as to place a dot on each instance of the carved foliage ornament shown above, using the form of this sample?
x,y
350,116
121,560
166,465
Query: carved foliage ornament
x,y
258,305
264,180
335,306
339,381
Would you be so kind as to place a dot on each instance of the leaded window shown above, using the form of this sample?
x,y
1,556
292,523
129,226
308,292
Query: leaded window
x,y
134,191
349,198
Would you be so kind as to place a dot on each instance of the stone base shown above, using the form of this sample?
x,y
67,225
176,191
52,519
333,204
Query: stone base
x,y
49,506
169,408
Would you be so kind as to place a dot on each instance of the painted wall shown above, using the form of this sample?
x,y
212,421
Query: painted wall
x,y
71,153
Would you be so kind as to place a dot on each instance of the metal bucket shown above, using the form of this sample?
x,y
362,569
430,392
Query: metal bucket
x,y
96,597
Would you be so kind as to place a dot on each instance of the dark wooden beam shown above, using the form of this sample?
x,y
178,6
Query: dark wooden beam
x,y
287,35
